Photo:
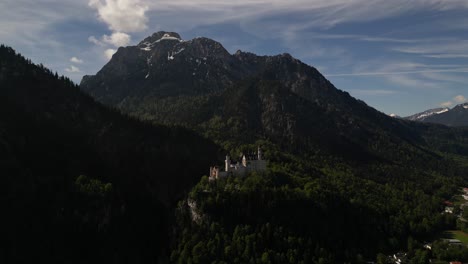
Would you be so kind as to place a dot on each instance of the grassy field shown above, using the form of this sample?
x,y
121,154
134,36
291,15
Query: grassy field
x,y
457,234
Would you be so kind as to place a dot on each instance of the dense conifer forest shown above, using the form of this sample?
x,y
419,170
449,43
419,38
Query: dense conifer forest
x,y
82,183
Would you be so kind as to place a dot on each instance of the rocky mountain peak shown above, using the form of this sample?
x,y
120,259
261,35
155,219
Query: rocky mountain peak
x,y
165,65
205,47
456,116
161,35
461,106
426,114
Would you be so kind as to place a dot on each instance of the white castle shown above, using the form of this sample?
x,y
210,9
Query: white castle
x,y
249,164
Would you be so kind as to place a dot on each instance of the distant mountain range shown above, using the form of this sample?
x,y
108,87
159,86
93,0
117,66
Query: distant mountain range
x,y
423,115
456,116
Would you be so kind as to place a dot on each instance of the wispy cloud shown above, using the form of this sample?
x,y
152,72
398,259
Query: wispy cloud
x,y
305,14
357,37
446,104
448,77
453,49
459,70
408,74
372,92
446,56
413,82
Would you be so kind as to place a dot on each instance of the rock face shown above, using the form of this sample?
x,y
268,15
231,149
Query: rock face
x,y
163,65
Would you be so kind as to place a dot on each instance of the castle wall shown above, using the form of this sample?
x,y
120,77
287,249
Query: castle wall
x,y
239,169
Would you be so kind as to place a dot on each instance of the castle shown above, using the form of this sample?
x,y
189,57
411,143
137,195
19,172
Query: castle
x,y
249,164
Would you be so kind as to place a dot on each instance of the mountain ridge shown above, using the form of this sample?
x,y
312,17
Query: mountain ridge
x,y
456,116
204,57
218,91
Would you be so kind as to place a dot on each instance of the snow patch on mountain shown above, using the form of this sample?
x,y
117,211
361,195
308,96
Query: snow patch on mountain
x,y
428,113
168,37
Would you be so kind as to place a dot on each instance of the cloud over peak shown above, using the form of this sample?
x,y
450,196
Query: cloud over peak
x,y
117,39
122,15
459,99
109,53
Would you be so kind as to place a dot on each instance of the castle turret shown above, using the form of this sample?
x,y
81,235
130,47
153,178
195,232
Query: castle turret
x,y
259,153
227,163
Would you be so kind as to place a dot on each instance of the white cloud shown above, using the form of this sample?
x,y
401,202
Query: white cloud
x,y
122,15
72,69
76,60
446,104
109,52
459,99
117,39
96,41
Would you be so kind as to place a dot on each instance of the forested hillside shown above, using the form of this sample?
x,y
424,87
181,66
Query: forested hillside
x,y
345,182
82,183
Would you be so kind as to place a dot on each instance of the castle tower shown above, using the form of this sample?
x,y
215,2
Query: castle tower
x,y
259,153
227,163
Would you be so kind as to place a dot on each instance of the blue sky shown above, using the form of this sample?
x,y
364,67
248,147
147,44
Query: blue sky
x,y
398,56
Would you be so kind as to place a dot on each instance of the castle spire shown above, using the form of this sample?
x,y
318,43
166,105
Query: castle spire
x,y
227,163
